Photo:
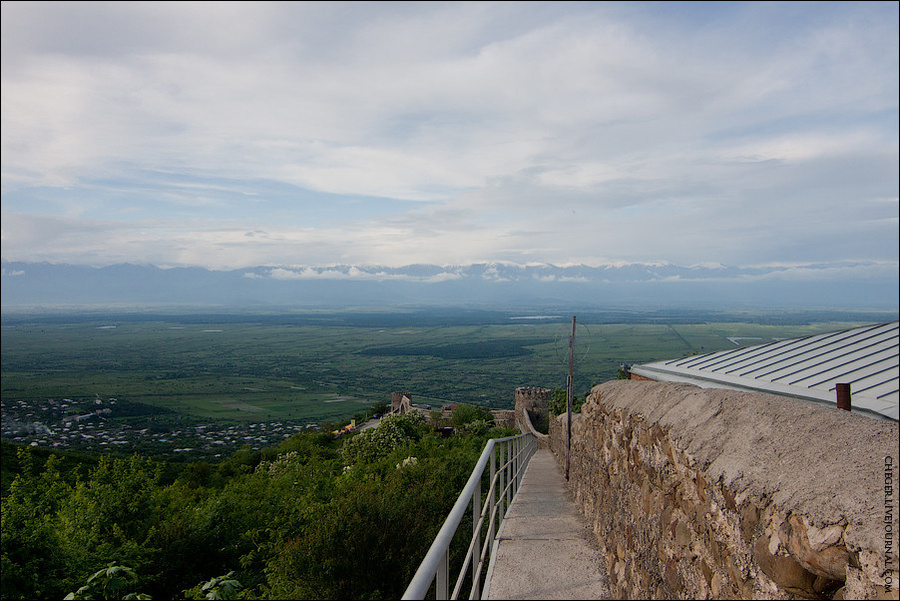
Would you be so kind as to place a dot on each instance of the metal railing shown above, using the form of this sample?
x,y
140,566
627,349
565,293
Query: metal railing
x,y
508,458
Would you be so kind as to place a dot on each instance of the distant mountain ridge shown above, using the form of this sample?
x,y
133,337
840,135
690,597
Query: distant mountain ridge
x,y
488,284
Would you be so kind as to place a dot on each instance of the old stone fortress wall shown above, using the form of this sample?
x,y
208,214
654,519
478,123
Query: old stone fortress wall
x,y
710,493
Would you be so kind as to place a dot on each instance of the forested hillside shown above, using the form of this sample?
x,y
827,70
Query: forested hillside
x,y
310,518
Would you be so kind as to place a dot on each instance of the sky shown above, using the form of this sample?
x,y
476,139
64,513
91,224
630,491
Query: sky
x,y
228,135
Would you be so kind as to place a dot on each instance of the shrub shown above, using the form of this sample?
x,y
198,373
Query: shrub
x,y
393,431
109,583
464,414
557,405
479,427
222,587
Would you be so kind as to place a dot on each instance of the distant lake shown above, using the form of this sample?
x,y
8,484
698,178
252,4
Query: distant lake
x,y
537,317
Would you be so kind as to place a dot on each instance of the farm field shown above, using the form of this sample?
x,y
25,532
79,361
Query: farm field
x,y
330,366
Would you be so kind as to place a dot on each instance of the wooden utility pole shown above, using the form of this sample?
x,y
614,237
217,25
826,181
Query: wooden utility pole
x,y
570,384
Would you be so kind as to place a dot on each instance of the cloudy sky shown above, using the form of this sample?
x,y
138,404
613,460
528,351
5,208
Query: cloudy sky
x,y
227,135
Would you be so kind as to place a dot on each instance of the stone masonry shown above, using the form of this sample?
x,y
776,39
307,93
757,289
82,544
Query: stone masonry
x,y
715,494
532,401
401,402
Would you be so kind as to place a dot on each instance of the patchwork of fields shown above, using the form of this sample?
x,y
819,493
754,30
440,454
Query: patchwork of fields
x,y
327,367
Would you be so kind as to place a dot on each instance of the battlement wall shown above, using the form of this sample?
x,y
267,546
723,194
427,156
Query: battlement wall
x,y
708,493
532,401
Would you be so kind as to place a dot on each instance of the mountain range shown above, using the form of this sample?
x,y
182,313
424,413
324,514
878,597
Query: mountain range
x,y
486,285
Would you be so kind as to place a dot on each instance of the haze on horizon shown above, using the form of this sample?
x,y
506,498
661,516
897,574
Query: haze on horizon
x,y
231,135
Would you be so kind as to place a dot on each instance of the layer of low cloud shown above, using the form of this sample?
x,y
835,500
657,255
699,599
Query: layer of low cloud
x,y
391,134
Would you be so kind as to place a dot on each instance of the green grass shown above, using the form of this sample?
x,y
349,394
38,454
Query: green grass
x,y
266,371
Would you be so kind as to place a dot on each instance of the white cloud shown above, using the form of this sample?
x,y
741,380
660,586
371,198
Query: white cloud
x,y
586,132
353,272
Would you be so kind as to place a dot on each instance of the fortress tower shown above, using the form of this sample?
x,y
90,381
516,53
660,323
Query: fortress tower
x,y
401,402
532,398
533,401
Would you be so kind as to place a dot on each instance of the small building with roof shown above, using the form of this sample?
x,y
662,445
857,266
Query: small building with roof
x,y
810,368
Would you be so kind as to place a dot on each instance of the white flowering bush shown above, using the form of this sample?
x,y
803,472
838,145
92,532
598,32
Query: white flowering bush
x,y
410,423
416,418
392,432
284,463
409,461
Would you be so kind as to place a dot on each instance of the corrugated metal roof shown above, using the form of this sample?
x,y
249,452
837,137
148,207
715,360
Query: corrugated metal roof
x,y
867,358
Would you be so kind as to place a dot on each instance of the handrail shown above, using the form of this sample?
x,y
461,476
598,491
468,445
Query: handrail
x,y
513,453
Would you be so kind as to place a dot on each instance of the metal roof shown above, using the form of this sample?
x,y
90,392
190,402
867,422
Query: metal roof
x,y
867,358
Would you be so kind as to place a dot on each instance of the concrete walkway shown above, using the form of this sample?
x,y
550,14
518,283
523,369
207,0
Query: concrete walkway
x,y
546,550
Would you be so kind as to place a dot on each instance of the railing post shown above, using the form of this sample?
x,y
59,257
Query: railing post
x,y
514,465
508,476
442,578
501,471
520,449
435,567
476,536
518,464
505,479
491,496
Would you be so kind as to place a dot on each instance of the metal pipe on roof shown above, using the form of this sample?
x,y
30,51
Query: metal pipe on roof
x,y
843,396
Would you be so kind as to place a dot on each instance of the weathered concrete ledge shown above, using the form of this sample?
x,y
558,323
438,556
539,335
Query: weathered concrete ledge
x,y
709,493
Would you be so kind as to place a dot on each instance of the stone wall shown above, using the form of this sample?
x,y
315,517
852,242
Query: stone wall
x,y
532,401
504,418
401,402
709,493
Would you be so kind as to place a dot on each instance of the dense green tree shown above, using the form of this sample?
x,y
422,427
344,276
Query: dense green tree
x,y
33,565
294,521
557,405
462,415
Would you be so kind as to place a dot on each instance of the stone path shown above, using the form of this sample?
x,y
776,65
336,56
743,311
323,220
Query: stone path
x,y
546,549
